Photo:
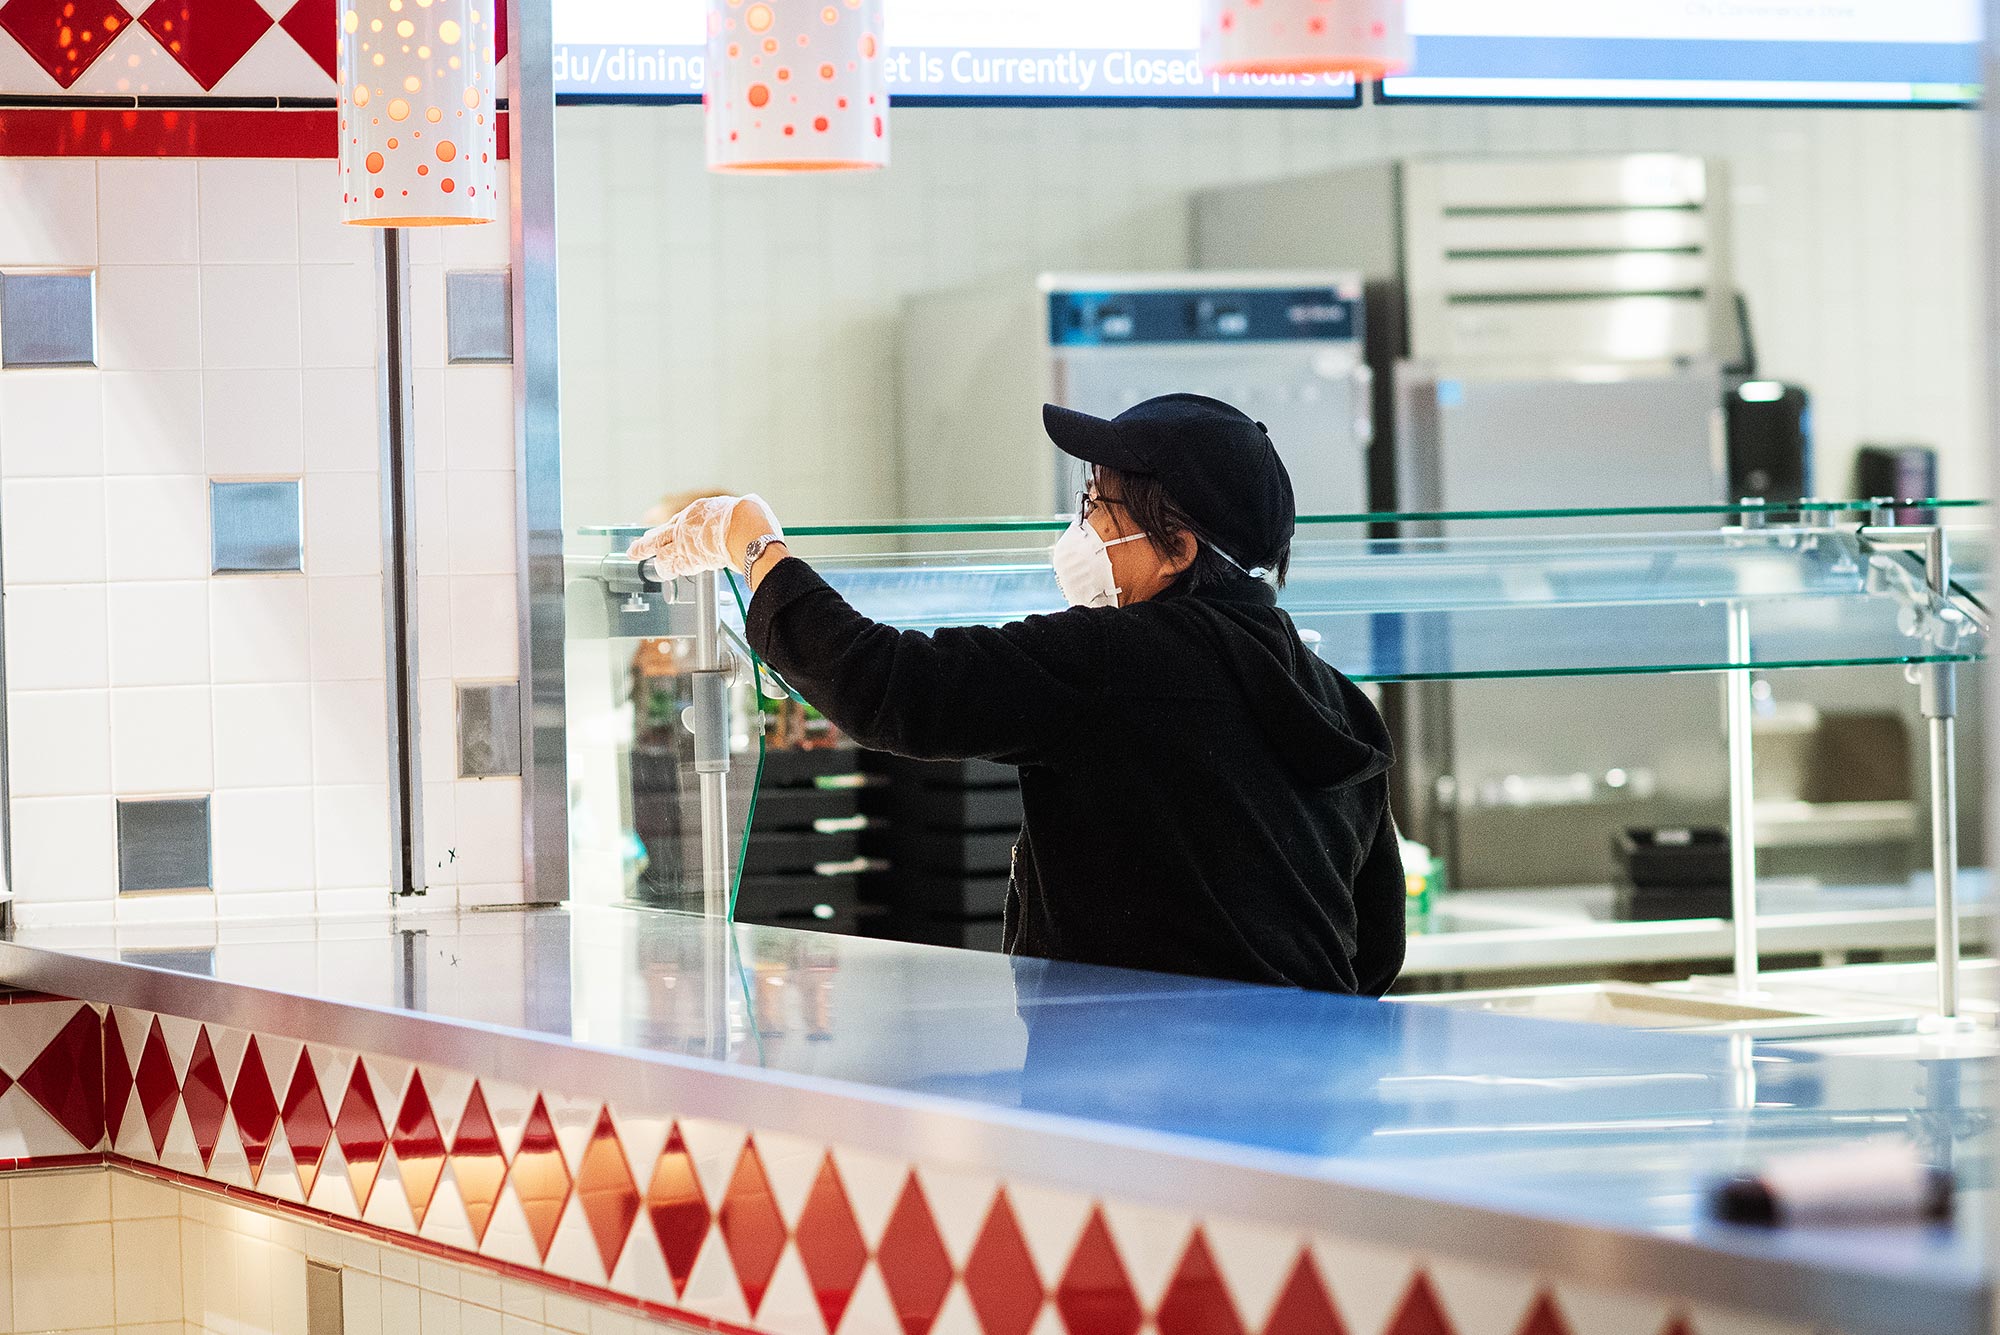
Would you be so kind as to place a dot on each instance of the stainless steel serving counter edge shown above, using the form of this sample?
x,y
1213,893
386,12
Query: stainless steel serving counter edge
x,y
1787,1275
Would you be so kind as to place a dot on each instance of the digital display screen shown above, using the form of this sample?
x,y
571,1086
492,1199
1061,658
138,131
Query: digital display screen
x,y
1800,51
943,52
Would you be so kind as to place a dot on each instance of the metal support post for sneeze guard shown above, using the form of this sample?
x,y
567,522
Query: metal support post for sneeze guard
x,y
1937,690
1937,698
1742,803
708,721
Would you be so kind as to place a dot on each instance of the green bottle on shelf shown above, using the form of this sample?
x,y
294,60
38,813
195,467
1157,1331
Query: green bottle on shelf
x,y
1423,878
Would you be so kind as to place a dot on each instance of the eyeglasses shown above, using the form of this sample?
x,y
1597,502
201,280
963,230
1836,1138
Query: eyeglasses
x,y
1090,500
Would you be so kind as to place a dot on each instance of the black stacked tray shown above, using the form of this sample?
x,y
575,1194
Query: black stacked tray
x,y
946,829
803,865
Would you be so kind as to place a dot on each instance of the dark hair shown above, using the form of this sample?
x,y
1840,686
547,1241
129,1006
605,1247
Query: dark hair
x,y
1153,512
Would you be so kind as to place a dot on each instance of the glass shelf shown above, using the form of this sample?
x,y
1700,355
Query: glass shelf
x,y
1457,607
1307,523
1481,601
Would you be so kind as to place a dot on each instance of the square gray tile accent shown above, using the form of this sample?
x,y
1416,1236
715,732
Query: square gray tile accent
x,y
325,1309
479,316
163,844
254,526
48,319
489,729
200,963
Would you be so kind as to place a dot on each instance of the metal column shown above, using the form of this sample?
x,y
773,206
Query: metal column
x,y
531,183
708,720
1937,689
1937,686
395,395
1742,803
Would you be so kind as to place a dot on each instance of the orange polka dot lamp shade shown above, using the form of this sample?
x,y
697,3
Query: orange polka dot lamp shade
x,y
1365,38
417,122
796,85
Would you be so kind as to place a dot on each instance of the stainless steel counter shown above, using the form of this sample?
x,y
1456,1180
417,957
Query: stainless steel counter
x,y
1570,1150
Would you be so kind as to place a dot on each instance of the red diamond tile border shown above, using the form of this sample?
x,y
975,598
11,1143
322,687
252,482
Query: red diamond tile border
x,y
915,1267
64,37
85,1080
202,1094
419,1147
604,1188
256,1107
315,26
679,1212
206,37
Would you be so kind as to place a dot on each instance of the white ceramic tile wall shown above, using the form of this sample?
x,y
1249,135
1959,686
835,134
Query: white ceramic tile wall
x,y
236,322
105,1252
741,333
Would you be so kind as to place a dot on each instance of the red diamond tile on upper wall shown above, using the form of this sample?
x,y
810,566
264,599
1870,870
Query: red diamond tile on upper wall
x,y
65,37
915,1266
313,24
68,1078
207,37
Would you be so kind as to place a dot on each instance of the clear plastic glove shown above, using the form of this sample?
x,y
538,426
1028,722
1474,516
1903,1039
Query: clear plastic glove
x,y
709,535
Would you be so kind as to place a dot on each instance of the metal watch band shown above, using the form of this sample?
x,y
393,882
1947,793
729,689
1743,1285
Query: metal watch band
x,y
755,549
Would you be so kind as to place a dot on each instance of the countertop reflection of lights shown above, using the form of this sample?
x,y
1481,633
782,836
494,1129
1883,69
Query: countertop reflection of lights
x,y
417,117
1363,38
796,86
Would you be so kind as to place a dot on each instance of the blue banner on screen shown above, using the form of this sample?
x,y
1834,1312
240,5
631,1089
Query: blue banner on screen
x,y
943,51
1859,51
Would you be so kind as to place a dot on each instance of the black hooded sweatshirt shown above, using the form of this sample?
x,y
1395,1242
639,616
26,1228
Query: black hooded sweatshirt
x,y
1201,794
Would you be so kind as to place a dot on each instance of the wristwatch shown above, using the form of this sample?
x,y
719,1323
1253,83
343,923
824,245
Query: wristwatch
x,y
755,551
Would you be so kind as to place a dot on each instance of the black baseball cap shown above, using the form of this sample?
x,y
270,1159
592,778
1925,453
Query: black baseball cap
x,y
1217,464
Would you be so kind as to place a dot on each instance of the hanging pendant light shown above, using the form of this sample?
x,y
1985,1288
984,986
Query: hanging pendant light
x,y
1364,38
417,120
796,86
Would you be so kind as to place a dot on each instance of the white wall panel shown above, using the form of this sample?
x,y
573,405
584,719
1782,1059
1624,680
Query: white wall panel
x,y
740,333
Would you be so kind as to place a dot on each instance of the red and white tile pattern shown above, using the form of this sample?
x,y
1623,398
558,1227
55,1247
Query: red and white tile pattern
x,y
189,50
690,1218
173,48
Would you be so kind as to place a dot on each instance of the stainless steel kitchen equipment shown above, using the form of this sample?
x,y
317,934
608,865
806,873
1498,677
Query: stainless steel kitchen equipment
x,y
1544,332
977,365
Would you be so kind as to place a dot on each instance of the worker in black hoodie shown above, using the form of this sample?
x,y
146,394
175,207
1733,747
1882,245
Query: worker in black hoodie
x,y
1201,794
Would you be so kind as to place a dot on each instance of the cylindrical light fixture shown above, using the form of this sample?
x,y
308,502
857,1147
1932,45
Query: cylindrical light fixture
x,y
417,120
1364,38
796,85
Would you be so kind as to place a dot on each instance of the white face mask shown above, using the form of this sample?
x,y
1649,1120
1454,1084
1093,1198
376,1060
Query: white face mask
x,y
1083,566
